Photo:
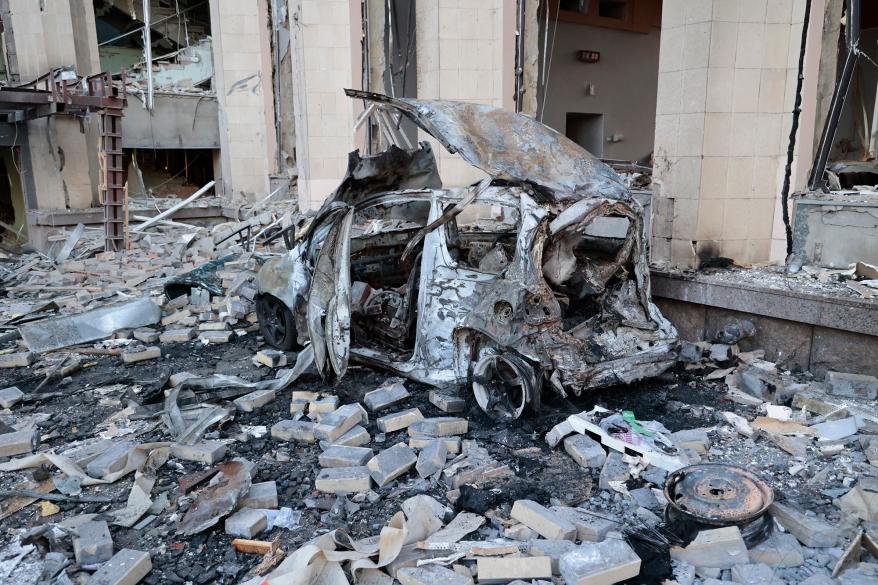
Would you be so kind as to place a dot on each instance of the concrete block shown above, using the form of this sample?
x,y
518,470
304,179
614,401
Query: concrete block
x,y
272,358
246,523
213,325
294,430
558,432
337,423
215,337
589,528
177,335
440,426
334,480
176,317
832,430
16,360
452,444
323,405
391,463
756,574
695,439
355,437
344,456
614,469
146,335
781,549
180,377
447,402
202,452
431,575
721,548
147,353
386,396
552,548
585,451
110,461
261,495
809,530
126,567
505,569
93,543
600,563
845,384
543,521
398,420
9,397
254,400
431,459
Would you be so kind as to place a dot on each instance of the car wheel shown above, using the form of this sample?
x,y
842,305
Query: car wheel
x,y
505,385
276,323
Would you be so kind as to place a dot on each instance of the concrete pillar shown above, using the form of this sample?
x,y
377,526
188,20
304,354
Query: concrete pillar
x,y
241,34
726,88
41,35
466,52
327,57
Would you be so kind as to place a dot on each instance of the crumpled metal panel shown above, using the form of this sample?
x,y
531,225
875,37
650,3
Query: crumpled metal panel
x,y
511,146
91,325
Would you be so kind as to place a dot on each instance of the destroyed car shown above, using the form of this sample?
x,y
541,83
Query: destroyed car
x,y
547,287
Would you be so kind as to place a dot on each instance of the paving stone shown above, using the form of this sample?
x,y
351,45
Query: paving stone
x,y
585,451
254,400
809,530
110,461
654,475
695,439
298,406
16,360
9,397
447,402
431,575
780,549
93,544
558,432
543,521
355,437
349,480
213,325
614,469
175,317
600,563
452,444
177,335
853,385
504,569
644,498
391,463
344,456
126,567
386,396
215,337
262,495
440,426
552,548
272,358
396,421
146,335
432,458
202,452
246,523
721,548
147,353
323,405
337,423
756,574
294,430
589,528
836,429
180,377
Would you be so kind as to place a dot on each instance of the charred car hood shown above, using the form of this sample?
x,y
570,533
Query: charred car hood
x,y
510,146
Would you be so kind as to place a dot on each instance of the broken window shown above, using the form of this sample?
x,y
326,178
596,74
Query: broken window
x,y
167,172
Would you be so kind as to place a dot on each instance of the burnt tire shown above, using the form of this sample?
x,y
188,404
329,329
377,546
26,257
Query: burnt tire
x,y
505,385
276,323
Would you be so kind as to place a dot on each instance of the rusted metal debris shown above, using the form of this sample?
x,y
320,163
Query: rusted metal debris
x,y
534,297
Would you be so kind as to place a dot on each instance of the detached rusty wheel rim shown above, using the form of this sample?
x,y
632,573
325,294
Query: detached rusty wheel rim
x,y
717,494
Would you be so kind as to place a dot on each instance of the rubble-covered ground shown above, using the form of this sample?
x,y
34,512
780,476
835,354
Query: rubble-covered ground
x,y
97,431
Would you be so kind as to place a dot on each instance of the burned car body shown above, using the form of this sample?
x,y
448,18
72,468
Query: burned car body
x,y
385,275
